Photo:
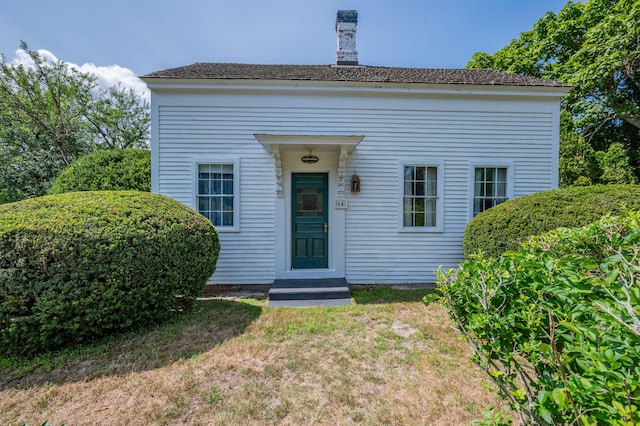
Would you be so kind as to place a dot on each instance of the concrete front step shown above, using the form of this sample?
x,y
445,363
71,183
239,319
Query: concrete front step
x,y
315,292
308,303
309,293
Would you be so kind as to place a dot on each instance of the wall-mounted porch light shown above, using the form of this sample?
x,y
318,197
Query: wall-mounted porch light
x,y
355,183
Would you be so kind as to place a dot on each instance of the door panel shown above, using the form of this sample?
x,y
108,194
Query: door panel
x,y
309,220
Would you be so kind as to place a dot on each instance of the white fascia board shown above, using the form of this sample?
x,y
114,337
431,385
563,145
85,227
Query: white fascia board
x,y
309,139
348,88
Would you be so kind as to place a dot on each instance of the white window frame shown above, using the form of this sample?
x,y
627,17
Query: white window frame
x,y
509,165
220,160
422,162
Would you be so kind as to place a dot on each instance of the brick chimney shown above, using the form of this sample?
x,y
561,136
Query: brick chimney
x,y
346,22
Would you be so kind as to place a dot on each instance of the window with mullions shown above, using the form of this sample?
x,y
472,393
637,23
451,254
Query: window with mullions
x,y
215,198
490,188
420,199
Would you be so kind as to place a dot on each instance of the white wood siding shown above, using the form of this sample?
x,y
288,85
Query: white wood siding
x,y
454,129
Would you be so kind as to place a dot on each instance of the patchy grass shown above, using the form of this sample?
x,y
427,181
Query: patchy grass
x,y
386,360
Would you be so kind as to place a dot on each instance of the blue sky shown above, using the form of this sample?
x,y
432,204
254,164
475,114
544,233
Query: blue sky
x,y
146,36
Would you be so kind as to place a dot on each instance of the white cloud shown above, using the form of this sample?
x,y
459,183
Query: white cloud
x,y
113,75
108,76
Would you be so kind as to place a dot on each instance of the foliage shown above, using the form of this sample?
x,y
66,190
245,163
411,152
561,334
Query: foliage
x,y
592,45
615,166
505,226
41,127
556,323
113,169
579,161
119,119
51,114
81,265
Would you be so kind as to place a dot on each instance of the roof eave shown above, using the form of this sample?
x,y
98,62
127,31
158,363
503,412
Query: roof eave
x,y
214,84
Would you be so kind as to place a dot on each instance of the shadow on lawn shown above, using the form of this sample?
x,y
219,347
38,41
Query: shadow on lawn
x,y
211,322
385,294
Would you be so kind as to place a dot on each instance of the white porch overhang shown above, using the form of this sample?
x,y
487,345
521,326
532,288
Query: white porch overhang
x,y
277,144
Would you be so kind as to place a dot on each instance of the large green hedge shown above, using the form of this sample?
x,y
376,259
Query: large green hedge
x,y
107,170
556,324
81,265
503,227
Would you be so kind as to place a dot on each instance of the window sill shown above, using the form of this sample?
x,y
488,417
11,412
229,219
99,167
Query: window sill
x,y
226,229
421,230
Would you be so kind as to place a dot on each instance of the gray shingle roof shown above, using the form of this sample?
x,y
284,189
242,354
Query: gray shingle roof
x,y
230,71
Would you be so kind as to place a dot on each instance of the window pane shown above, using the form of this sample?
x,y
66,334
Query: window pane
x,y
203,186
203,204
419,188
409,173
408,188
216,218
227,186
502,175
479,174
432,189
407,204
420,173
227,204
432,174
430,219
407,219
430,206
477,206
478,192
489,189
227,219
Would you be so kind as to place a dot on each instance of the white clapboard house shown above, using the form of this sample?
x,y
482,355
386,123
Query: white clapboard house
x,y
344,170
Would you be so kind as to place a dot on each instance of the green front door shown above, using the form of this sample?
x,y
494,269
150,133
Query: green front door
x,y
309,221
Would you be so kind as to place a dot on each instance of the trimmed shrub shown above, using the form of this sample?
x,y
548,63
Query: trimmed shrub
x,y
78,266
107,170
556,323
503,227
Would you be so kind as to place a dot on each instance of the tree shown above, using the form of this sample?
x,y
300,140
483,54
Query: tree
x,y
615,166
120,119
593,46
51,114
579,163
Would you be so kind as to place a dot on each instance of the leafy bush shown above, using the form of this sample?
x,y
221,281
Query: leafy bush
x,y
556,323
81,265
107,170
505,226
